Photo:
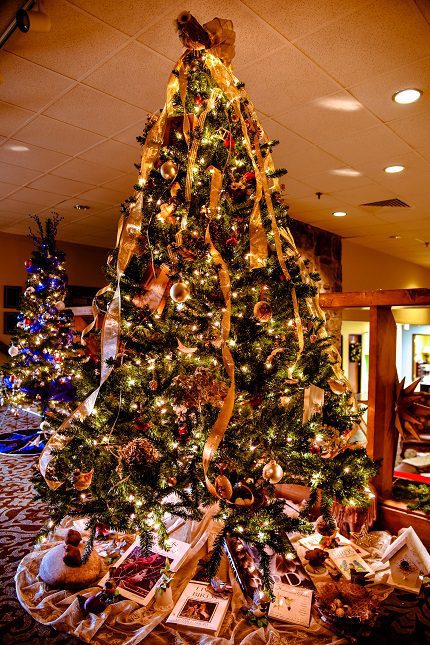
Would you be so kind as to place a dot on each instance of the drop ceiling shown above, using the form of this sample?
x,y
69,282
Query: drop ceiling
x,y
320,72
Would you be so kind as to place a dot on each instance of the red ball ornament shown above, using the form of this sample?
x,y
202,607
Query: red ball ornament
x,y
27,321
229,143
198,100
182,431
142,426
315,450
249,176
232,240
28,264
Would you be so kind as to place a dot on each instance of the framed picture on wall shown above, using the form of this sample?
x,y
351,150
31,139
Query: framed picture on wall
x,y
80,296
11,297
9,322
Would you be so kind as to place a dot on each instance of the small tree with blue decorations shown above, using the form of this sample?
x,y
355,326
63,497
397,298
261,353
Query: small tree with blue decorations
x,y
39,372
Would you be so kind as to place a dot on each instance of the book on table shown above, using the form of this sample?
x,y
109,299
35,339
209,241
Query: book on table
x,y
199,609
138,575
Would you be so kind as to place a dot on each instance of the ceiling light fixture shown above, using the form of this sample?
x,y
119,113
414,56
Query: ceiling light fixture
x,y
82,207
391,170
394,237
404,97
339,213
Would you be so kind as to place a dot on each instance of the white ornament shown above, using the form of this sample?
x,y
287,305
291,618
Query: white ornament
x,y
13,351
60,305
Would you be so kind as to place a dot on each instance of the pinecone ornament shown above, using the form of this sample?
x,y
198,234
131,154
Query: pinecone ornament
x,y
139,451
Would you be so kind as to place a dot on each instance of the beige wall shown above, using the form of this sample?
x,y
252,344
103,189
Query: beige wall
x,y
366,270
84,265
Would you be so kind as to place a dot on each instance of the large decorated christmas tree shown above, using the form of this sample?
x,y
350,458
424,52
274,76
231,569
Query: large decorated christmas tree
x,y
218,380
39,373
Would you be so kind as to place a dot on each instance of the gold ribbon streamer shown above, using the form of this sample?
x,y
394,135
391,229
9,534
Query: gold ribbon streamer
x,y
128,231
96,312
220,426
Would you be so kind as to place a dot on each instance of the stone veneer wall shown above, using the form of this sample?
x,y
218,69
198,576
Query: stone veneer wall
x,y
324,250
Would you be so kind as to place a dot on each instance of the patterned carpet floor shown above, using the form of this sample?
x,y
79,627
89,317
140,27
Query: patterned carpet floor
x,y
20,519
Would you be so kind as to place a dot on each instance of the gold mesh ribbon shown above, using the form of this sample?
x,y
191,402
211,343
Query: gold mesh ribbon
x,y
129,230
220,426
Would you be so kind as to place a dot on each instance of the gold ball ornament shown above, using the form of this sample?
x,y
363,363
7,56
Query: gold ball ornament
x,y
179,292
273,472
263,311
169,170
223,487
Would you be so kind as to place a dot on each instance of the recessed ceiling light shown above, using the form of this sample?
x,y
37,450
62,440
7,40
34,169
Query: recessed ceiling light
x,y
82,207
16,148
393,169
339,213
404,97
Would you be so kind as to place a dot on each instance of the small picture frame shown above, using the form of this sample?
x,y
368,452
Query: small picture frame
x,y
11,297
9,322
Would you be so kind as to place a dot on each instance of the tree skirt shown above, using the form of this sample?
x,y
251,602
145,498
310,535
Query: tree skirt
x,y
127,623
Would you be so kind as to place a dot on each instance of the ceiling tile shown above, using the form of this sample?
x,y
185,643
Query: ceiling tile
x,y
372,192
296,18
329,181
414,129
38,198
76,43
28,85
33,157
98,112
68,211
291,80
136,75
377,145
104,195
60,185
79,168
253,34
17,176
114,154
58,136
14,207
375,39
289,142
310,161
123,184
12,118
129,135
328,117
394,215
376,92
129,17
6,188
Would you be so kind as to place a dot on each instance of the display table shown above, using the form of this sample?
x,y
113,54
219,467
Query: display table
x,y
126,622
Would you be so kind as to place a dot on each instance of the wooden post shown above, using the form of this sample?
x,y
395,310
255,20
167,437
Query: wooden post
x,y
382,439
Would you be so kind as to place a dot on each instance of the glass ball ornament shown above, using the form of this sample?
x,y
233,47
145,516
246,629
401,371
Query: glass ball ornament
x,y
28,264
59,306
13,351
263,311
169,170
179,292
273,472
